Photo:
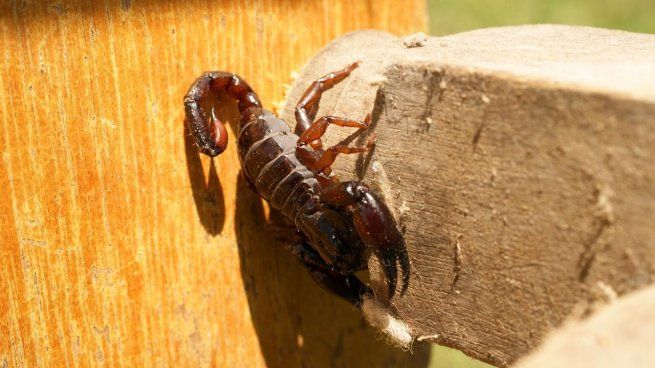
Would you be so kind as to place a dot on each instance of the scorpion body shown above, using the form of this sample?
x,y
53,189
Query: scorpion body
x,y
267,149
337,222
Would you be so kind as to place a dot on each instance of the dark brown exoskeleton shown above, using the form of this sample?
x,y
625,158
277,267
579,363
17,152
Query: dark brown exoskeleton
x,y
338,222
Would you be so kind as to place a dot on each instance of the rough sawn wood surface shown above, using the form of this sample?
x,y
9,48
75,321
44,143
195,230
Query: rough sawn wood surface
x,y
520,163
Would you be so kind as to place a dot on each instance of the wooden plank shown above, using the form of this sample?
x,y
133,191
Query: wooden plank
x,y
120,245
520,163
621,334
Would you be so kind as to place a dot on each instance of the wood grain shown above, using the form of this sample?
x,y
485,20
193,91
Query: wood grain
x,y
121,246
519,161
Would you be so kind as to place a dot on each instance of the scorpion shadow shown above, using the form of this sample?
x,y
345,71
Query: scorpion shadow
x,y
207,195
298,323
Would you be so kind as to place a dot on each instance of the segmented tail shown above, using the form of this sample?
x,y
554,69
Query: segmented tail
x,y
209,132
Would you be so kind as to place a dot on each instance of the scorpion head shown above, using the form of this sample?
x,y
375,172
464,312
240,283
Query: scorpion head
x,y
336,240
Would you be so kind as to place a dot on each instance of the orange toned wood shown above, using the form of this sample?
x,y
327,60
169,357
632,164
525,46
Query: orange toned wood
x,y
120,244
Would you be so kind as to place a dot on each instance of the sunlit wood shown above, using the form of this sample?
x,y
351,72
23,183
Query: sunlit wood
x,y
119,243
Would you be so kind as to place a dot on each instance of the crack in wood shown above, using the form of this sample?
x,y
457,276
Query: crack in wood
x,y
433,93
477,134
605,216
457,265
591,250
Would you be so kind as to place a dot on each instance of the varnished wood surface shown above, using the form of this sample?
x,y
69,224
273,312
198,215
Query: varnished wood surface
x,y
121,246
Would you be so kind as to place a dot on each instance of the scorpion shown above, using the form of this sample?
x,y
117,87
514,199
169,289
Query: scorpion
x,y
338,224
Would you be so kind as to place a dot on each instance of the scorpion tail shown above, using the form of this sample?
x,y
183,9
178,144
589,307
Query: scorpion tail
x,y
209,132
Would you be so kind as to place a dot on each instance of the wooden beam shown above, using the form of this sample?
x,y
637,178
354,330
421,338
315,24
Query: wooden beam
x,y
520,164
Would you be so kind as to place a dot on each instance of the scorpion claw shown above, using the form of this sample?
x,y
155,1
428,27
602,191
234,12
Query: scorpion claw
x,y
388,260
376,227
403,260
392,260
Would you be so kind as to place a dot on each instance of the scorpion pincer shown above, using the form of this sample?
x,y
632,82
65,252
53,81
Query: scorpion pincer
x,y
338,223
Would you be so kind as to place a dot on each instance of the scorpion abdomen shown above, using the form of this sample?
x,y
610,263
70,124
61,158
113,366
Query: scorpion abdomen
x,y
267,150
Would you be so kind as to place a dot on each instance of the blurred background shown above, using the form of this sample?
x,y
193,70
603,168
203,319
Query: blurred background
x,y
453,16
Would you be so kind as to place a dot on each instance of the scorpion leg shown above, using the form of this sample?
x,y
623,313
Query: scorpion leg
x,y
317,130
375,226
307,106
319,162
347,286
210,133
328,157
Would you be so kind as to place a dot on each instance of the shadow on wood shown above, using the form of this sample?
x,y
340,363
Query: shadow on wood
x,y
207,194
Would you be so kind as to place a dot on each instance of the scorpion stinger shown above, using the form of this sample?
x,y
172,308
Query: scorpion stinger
x,y
337,223
212,138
